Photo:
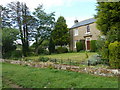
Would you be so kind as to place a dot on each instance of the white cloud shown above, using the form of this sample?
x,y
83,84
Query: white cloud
x,y
47,3
34,3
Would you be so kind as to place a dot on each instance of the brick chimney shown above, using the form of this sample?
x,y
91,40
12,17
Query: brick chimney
x,y
75,21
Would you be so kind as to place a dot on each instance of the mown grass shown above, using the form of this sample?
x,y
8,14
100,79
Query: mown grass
x,y
81,56
29,77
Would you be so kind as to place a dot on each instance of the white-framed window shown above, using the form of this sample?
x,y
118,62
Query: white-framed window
x,y
87,29
75,32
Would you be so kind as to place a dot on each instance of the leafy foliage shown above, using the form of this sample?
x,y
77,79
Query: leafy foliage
x,y
43,59
60,33
45,23
16,54
93,47
41,50
114,54
61,50
44,27
79,46
5,16
51,46
21,18
110,13
94,60
9,35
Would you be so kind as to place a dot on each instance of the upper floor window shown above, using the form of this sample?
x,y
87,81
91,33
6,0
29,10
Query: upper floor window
x,y
75,32
88,29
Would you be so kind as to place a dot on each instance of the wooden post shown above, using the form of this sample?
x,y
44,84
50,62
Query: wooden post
x,y
55,60
61,61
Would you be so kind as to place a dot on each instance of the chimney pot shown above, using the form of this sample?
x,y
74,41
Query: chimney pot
x,y
76,21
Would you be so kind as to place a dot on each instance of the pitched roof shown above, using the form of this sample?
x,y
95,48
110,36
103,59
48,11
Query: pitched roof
x,y
84,22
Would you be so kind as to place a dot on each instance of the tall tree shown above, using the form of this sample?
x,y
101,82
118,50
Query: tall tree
x,y
51,46
20,16
45,25
108,16
60,33
9,35
5,17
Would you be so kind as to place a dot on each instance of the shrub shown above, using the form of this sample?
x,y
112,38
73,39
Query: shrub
x,y
7,55
42,50
79,46
99,44
61,50
86,54
16,54
43,59
71,51
114,54
83,44
93,45
105,53
94,60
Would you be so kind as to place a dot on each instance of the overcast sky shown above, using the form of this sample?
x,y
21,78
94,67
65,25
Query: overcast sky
x,y
70,9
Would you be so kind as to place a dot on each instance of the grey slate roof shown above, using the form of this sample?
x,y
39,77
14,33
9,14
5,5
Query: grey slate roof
x,y
85,22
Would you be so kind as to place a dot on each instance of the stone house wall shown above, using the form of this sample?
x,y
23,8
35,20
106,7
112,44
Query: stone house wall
x,y
82,35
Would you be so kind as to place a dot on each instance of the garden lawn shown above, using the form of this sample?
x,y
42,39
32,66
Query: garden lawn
x,y
81,56
30,77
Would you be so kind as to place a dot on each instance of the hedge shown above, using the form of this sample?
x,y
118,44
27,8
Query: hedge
x,y
79,46
114,54
93,46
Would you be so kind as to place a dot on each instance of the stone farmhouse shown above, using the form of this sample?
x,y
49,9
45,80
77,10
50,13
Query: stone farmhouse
x,y
85,31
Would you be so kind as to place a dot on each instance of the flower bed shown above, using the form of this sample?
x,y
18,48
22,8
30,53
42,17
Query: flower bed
x,y
90,70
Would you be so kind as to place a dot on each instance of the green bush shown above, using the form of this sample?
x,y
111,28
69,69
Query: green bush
x,y
42,50
7,55
43,59
94,60
61,50
114,54
16,54
105,53
93,45
83,44
71,51
79,46
100,42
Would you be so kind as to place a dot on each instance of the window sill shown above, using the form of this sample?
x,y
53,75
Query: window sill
x,y
87,33
75,35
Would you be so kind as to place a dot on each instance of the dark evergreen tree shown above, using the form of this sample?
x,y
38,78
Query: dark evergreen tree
x,y
51,46
108,16
60,32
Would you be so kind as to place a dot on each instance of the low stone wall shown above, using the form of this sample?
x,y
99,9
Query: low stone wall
x,y
90,70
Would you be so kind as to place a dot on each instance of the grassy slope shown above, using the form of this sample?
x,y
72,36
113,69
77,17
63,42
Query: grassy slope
x,y
73,56
29,77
